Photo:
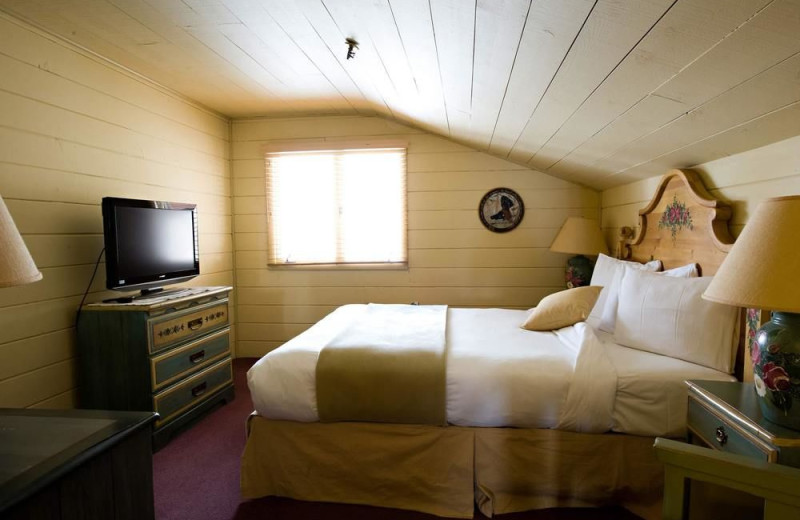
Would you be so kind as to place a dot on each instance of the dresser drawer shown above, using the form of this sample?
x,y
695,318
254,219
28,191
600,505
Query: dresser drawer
x,y
188,393
181,361
708,424
177,327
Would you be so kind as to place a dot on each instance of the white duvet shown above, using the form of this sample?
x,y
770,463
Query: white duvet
x,y
501,375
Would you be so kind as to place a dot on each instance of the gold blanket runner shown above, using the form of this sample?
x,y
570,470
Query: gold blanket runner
x,y
387,366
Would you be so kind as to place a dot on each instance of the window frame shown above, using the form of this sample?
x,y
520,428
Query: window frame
x,y
336,146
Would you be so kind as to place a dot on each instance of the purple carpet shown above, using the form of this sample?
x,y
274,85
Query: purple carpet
x,y
196,477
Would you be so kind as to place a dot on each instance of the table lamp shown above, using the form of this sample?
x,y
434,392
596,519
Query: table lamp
x,y
579,236
762,271
16,265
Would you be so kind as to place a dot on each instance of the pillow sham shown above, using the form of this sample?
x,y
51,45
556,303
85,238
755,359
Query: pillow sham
x,y
609,316
603,274
563,308
667,316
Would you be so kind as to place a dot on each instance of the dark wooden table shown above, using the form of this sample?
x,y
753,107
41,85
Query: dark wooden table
x,y
65,464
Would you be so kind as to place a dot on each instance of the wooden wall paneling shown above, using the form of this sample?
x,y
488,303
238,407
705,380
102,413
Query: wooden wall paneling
x,y
465,218
174,49
445,180
773,127
67,399
284,313
284,129
43,120
454,30
65,96
54,155
681,36
452,258
57,59
37,385
424,277
382,52
566,198
519,297
550,30
295,28
376,88
742,180
617,31
771,90
494,257
256,349
465,256
498,31
74,129
415,25
751,49
18,357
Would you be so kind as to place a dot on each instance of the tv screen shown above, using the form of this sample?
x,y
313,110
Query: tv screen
x,y
149,243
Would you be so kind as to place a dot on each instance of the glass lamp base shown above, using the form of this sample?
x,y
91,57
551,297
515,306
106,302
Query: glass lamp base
x,y
579,271
776,369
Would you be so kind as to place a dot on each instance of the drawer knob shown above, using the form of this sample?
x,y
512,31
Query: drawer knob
x,y
721,435
199,390
196,324
197,357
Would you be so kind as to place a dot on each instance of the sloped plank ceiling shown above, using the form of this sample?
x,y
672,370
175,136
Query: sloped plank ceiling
x,y
602,92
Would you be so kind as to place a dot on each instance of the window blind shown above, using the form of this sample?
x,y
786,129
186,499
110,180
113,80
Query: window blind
x,y
337,207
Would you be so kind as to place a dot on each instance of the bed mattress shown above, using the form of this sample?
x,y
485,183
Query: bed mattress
x,y
501,375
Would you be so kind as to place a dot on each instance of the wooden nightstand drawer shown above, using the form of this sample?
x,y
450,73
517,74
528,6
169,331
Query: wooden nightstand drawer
x,y
167,330
182,361
710,426
191,391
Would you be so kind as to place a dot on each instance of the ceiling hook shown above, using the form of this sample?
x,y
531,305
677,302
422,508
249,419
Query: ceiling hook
x,y
352,45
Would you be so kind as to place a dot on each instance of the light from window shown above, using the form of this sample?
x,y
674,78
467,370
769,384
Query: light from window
x,y
337,207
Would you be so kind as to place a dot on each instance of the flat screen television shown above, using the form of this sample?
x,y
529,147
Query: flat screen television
x,y
149,243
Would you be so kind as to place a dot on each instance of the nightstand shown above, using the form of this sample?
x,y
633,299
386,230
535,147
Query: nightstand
x,y
726,416
68,464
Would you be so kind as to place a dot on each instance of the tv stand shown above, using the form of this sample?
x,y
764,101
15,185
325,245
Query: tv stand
x,y
165,354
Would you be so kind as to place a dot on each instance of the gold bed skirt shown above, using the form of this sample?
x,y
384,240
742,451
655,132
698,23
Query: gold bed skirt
x,y
446,471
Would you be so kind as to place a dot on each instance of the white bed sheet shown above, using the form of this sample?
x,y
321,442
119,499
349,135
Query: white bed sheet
x,y
652,396
501,375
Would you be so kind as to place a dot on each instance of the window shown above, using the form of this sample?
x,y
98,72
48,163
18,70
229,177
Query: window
x,y
337,207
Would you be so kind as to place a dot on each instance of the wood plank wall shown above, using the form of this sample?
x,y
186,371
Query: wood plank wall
x,y
74,128
743,180
452,258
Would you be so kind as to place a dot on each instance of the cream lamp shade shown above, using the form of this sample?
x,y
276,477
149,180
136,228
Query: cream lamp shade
x,y
16,265
762,270
580,236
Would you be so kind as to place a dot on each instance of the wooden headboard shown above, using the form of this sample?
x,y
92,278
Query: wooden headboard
x,y
682,224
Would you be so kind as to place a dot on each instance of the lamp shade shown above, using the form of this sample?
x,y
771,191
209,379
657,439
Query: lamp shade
x,y
762,270
16,265
580,236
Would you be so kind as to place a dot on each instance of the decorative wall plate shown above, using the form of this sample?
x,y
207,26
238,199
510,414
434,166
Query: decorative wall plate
x,y
501,210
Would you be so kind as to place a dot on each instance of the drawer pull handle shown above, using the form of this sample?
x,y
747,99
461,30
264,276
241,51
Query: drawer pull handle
x,y
197,357
199,390
196,324
721,435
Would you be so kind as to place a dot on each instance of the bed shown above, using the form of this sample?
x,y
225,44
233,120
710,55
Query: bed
x,y
540,419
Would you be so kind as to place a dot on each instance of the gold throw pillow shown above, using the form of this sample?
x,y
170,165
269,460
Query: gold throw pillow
x,y
563,308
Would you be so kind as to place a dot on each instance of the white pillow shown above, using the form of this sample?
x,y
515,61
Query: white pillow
x,y
603,274
666,315
609,315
